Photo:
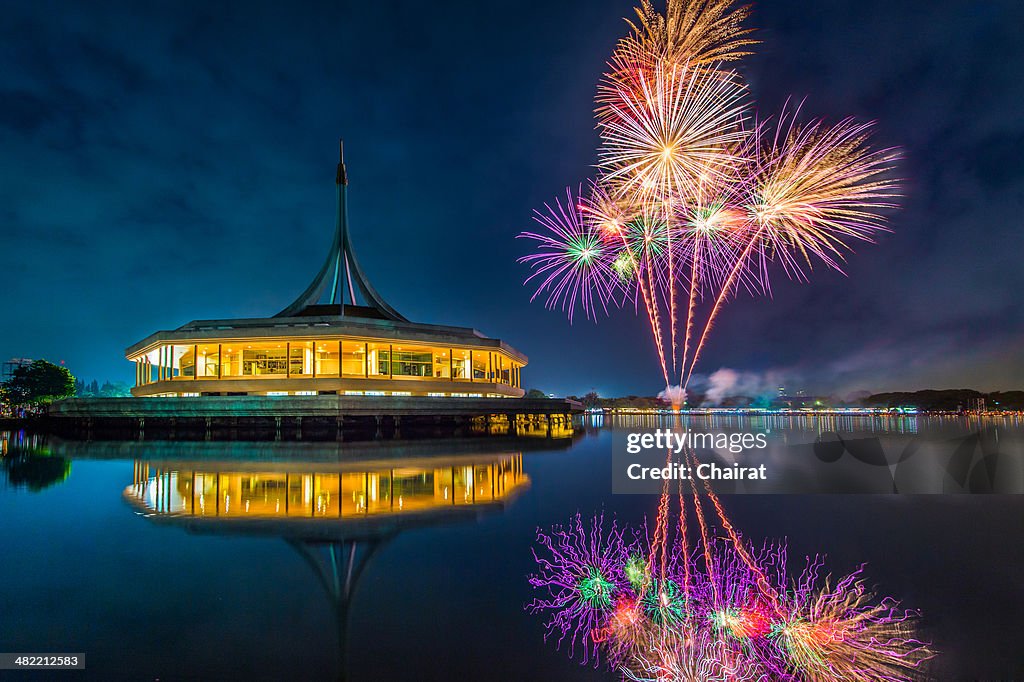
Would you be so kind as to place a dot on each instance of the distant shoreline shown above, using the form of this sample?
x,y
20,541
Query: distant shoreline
x,y
806,411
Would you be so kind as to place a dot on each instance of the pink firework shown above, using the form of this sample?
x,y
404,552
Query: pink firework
x,y
572,260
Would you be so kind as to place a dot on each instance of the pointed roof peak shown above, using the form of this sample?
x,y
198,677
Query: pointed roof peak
x,y
342,177
341,271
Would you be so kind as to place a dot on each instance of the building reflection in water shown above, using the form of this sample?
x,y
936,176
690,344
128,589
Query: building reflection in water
x,y
336,520
278,492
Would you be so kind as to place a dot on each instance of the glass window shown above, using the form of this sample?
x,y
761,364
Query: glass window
x,y
442,363
379,357
353,358
231,360
208,360
185,361
300,358
264,359
461,364
412,361
328,358
479,366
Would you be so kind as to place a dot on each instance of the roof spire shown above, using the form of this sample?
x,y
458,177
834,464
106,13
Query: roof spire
x,y
341,269
342,177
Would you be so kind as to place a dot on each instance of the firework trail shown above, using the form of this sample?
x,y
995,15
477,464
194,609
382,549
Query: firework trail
x,y
809,191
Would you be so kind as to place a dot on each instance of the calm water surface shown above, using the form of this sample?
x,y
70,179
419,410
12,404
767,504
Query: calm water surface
x,y
408,561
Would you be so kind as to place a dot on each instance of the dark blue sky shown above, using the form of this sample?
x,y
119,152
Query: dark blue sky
x,y
163,164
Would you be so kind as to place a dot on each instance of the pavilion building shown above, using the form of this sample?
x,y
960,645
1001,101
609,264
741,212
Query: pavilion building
x,y
328,341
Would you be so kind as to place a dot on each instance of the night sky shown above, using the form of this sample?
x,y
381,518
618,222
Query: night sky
x,y
164,164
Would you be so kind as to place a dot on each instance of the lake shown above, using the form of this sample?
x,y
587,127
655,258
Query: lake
x,y
409,560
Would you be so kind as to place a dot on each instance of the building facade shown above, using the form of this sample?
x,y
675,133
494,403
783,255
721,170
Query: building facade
x,y
350,345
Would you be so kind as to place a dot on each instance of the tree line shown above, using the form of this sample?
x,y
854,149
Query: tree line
x,y
33,386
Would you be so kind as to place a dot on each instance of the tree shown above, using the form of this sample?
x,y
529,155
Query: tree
x,y
535,393
38,384
591,399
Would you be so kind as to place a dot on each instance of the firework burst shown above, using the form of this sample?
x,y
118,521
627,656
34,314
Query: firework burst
x,y
695,31
691,205
571,262
580,569
664,128
841,632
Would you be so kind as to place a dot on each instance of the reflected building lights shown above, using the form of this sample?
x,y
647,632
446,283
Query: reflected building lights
x,y
283,493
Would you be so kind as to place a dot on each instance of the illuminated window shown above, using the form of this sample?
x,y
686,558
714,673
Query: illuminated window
x,y
183,360
328,358
379,359
412,361
353,358
231,360
479,365
442,363
461,365
264,359
300,359
208,360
